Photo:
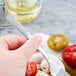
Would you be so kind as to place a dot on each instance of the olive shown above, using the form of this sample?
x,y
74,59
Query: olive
x,y
58,42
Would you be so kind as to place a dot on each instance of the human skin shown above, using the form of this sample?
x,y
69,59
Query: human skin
x,y
15,52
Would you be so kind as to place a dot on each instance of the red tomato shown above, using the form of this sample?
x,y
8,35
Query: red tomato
x,y
31,69
69,55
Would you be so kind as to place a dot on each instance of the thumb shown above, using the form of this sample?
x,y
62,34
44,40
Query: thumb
x,y
29,48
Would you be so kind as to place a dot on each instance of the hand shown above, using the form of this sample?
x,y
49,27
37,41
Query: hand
x,y
15,52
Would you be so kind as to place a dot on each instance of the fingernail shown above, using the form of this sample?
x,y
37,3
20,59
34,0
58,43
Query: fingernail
x,y
38,38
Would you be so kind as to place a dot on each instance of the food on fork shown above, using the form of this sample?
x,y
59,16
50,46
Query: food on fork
x,y
31,69
37,58
34,69
43,69
38,66
45,66
58,42
69,59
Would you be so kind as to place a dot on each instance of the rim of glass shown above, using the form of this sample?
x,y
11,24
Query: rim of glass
x,y
40,4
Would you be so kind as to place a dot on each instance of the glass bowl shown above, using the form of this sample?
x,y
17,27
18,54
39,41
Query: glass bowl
x,y
26,16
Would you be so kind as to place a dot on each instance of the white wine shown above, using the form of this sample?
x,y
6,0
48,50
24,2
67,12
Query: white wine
x,y
23,10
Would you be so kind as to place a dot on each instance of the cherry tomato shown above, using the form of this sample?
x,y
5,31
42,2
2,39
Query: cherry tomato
x,y
69,55
31,69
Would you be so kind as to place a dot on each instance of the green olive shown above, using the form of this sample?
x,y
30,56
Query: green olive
x,y
58,42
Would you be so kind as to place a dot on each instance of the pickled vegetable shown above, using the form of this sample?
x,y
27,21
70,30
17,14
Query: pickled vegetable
x,y
58,42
